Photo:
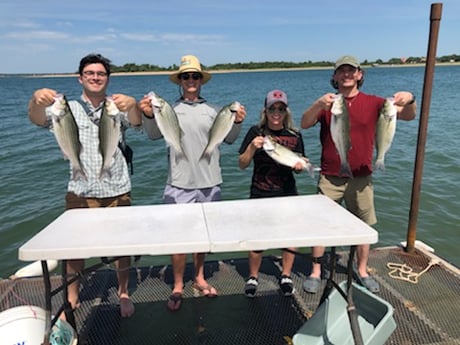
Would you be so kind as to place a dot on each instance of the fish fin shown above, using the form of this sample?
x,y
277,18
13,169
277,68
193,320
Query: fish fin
x,y
380,165
311,170
105,173
345,170
78,174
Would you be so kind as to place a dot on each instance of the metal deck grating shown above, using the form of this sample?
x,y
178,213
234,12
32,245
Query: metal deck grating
x,y
426,313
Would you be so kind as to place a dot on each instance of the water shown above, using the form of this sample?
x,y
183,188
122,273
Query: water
x,y
33,174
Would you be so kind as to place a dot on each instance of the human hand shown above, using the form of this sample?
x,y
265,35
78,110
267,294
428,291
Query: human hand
x,y
325,101
403,98
258,142
44,97
240,114
124,103
145,105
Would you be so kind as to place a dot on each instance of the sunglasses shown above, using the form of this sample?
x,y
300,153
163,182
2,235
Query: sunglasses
x,y
280,110
194,76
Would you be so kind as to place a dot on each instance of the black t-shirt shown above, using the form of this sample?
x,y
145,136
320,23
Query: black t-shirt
x,y
269,178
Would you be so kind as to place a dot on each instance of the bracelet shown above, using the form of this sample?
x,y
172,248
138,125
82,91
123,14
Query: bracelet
x,y
149,117
412,101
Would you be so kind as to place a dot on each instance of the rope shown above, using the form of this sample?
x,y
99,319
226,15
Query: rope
x,y
406,273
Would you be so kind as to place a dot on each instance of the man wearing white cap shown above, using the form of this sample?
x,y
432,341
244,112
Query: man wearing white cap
x,y
191,179
356,190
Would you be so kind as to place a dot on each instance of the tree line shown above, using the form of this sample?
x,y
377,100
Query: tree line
x,y
133,67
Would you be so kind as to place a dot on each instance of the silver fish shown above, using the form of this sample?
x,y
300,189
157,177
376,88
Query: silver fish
x,y
167,122
386,129
109,135
66,132
220,128
340,132
286,157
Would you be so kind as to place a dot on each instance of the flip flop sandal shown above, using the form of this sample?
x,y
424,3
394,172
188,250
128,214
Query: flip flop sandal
x,y
205,290
312,284
175,301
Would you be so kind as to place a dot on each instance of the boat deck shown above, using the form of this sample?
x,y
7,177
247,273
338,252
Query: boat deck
x,y
426,311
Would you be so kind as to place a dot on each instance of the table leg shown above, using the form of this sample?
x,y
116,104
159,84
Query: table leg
x,y
47,283
351,308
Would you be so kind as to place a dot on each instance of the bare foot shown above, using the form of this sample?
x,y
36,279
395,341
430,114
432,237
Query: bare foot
x,y
126,306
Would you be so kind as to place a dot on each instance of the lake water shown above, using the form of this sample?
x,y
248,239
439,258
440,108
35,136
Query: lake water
x,y
33,174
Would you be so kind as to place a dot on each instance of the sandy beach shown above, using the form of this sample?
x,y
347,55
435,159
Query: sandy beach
x,y
63,75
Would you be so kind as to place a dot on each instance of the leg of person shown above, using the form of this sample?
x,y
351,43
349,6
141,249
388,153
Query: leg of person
x,y
200,284
126,305
359,199
178,264
286,283
255,260
365,278
74,267
313,282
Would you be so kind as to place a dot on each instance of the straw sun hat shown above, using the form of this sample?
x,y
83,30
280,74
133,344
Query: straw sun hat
x,y
189,63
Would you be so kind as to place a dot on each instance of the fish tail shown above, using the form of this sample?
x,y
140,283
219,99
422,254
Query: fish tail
x,y
345,170
105,173
311,170
78,174
206,155
379,164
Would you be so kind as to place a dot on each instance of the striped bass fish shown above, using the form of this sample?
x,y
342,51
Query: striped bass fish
x,y
66,132
286,157
109,135
386,129
340,132
220,128
167,122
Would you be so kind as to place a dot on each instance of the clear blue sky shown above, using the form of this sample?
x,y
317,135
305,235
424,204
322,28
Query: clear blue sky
x,y
48,36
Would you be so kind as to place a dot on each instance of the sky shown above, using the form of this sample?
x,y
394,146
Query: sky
x,y
49,36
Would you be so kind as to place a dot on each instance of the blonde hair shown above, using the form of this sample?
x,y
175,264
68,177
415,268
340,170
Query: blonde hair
x,y
287,122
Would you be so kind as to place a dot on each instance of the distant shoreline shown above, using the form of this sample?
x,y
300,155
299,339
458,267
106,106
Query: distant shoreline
x,y
146,73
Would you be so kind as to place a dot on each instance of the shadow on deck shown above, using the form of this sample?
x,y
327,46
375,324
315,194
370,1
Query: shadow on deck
x,y
426,312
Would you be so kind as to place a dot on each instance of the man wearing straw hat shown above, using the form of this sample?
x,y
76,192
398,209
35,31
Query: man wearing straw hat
x,y
191,179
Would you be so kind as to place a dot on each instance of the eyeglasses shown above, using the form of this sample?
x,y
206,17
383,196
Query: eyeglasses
x,y
186,76
279,110
94,73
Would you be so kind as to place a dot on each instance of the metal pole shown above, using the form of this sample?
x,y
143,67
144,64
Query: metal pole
x,y
435,18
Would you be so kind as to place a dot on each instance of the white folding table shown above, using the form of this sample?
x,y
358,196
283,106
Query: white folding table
x,y
224,226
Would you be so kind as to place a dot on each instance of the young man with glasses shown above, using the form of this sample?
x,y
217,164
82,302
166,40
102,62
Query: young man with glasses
x,y
191,179
115,190
269,178
356,190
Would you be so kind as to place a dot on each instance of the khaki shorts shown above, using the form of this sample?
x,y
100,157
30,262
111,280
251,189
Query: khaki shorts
x,y
357,192
74,201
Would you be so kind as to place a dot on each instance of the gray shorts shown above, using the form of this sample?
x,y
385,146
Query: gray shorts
x,y
175,195
357,192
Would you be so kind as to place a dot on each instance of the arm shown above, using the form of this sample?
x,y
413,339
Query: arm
x,y
246,157
406,105
40,100
310,116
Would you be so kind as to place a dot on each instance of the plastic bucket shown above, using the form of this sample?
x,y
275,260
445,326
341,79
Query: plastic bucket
x,y
25,325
